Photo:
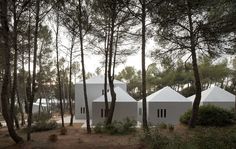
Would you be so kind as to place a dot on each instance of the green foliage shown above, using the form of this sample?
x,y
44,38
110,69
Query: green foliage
x,y
125,127
210,115
43,126
162,126
43,117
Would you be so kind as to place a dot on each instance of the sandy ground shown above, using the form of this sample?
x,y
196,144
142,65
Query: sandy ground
x,y
76,138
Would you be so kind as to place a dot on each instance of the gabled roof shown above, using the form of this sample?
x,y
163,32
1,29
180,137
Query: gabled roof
x,y
121,96
166,94
215,94
99,80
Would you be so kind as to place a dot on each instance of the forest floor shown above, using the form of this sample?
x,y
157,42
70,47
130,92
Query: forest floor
x,y
76,137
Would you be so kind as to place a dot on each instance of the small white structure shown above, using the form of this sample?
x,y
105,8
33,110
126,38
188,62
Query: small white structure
x,y
165,106
36,107
126,107
216,96
95,89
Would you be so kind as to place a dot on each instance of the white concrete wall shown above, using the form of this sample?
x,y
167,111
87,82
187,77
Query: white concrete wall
x,y
93,91
225,105
122,111
173,112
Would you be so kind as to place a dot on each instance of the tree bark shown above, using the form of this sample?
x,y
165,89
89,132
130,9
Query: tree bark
x,y
58,72
197,99
144,94
70,80
83,69
110,78
34,70
7,65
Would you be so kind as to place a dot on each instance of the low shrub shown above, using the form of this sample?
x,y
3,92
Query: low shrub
x,y
162,126
53,138
43,117
43,126
210,115
1,125
125,127
63,131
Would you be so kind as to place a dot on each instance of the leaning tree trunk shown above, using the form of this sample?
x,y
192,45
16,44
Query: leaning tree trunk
x,y
145,125
34,71
58,73
197,99
6,80
83,69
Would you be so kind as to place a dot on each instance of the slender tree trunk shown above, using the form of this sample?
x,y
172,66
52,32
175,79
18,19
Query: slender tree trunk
x,y
58,73
197,99
70,81
14,85
34,70
6,80
83,69
24,85
40,79
110,78
105,73
144,94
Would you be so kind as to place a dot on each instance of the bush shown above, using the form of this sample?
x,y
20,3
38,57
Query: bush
x,y
1,125
125,127
162,126
43,117
210,115
44,126
53,138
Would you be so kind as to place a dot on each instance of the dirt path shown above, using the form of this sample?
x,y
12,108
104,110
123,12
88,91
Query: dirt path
x,y
76,138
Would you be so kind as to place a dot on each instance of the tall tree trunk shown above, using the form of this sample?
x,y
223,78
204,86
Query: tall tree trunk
x,y
70,80
144,94
105,72
14,85
197,99
34,70
110,78
40,79
6,80
58,72
24,85
83,69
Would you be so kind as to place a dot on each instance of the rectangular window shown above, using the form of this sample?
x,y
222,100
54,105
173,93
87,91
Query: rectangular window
x,y
83,109
158,113
140,111
101,112
164,113
161,112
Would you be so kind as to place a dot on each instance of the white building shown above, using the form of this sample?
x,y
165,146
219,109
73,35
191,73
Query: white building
x,y
125,107
35,108
216,96
165,106
95,89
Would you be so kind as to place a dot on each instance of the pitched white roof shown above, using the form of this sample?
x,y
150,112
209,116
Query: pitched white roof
x,y
121,96
166,94
215,94
99,80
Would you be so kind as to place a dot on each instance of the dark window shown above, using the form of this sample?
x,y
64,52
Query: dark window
x,y
164,113
101,112
83,109
140,111
103,92
161,112
158,113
